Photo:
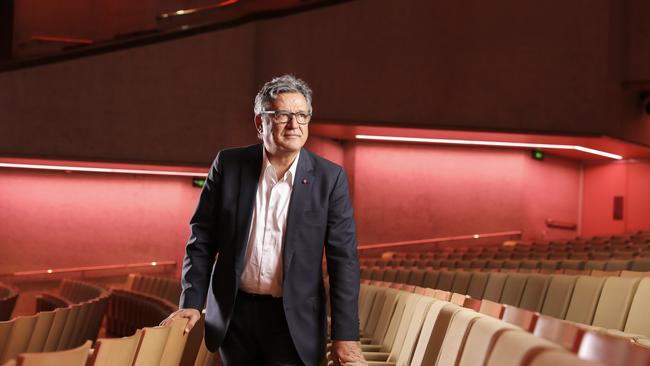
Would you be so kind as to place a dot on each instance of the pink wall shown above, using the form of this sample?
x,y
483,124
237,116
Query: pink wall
x,y
604,181
408,192
58,219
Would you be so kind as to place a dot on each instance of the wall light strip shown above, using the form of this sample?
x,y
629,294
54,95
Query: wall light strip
x,y
489,143
102,170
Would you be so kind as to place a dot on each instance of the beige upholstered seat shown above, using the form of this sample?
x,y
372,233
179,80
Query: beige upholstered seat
x,y
116,351
480,340
431,279
534,292
494,286
446,280
175,343
152,345
515,347
403,275
638,320
461,282
72,357
433,332
454,339
40,331
18,338
614,302
584,299
513,289
58,323
417,276
558,295
565,333
477,284
560,358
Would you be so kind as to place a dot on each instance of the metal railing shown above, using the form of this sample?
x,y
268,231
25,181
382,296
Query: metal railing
x,y
514,233
84,270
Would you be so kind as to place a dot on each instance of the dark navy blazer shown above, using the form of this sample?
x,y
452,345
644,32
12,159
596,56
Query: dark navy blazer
x,y
319,217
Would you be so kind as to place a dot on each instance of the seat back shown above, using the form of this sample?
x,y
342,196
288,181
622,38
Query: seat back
x,y
461,282
446,280
58,323
584,299
534,292
638,321
558,295
522,318
513,289
416,277
477,283
431,279
18,339
559,358
384,316
404,355
39,333
71,357
614,302
494,286
433,332
175,345
515,347
480,340
403,275
565,333
454,338
152,345
115,351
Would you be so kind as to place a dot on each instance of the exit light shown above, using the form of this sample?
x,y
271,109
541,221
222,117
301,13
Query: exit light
x,y
537,155
198,182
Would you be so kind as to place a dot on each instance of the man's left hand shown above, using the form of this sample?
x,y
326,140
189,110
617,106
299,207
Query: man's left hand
x,y
343,352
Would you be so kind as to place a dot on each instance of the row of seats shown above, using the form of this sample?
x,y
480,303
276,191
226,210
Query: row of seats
x,y
548,266
404,328
164,288
608,302
130,310
47,331
162,346
8,297
599,248
69,292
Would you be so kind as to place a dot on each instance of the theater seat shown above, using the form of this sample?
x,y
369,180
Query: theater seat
x,y
115,351
560,358
72,357
584,299
558,296
614,302
515,347
638,320
454,338
433,332
481,339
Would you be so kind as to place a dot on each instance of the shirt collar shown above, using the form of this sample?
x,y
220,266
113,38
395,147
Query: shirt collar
x,y
268,168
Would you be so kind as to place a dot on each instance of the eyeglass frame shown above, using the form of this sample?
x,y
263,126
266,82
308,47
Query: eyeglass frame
x,y
291,115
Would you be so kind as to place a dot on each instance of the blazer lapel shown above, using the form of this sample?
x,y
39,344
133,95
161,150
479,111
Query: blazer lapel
x,y
302,183
249,178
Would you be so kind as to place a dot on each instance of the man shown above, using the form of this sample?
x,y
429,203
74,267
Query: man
x,y
266,213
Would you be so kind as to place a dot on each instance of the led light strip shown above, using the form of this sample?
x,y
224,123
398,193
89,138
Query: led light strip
x,y
102,170
490,143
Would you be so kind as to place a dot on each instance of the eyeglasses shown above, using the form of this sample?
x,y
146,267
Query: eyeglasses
x,y
282,117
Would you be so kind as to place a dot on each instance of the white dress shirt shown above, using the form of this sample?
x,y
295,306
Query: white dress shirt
x,y
263,263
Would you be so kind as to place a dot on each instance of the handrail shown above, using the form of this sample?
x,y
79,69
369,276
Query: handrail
x,y
62,40
196,10
88,268
438,240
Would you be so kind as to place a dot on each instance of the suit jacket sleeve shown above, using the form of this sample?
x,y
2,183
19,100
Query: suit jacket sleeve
x,y
202,245
342,263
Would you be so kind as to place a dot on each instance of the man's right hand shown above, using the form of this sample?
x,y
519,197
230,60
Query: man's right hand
x,y
192,316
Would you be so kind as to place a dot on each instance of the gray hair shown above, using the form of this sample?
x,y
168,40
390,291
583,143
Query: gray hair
x,y
279,85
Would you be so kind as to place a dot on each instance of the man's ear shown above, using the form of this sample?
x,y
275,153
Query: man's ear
x,y
259,124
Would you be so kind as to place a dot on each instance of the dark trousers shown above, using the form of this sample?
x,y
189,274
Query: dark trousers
x,y
258,334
